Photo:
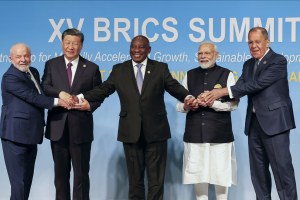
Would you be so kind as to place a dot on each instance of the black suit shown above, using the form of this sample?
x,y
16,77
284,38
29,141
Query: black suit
x,y
70,131
269,127
143,123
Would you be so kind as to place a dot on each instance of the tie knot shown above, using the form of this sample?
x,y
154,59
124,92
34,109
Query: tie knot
x,y
69,65
139,65
28,74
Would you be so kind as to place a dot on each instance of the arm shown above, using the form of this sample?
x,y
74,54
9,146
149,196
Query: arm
x,y
226,106
173,87
190,103
100,92
96,82
47,85
16,86
275,71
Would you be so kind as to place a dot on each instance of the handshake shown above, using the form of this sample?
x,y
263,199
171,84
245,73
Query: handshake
x,y
192,103
69,102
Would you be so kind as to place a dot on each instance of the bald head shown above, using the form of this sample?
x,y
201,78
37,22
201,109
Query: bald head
x,y
20,56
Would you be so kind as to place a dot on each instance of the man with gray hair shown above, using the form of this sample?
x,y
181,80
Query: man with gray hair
x,y
22,119
209,155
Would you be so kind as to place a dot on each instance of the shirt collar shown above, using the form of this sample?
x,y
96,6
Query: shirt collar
x,y
144,62
74,62
264,55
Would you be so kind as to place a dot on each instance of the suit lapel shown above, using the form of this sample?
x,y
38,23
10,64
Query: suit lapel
x,y
79,71
264,62
147,76
129,69
62,73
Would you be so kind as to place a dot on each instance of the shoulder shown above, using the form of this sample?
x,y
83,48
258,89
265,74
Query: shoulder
x,y
277,56
156,63
55,60
125,64
194,70
87,62
218,67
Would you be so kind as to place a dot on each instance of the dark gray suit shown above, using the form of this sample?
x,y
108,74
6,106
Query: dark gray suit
x,y
269,127
143,123
70,131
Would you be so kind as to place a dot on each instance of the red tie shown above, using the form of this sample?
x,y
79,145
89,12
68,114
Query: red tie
x,y
69,71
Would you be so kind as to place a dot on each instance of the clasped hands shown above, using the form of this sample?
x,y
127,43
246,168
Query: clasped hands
x,y
205,99
192,103
69,102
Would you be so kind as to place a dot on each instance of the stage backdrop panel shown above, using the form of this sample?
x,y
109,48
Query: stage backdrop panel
x,y
175,29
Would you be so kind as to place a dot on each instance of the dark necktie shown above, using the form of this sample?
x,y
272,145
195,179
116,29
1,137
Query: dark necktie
x,y
139,77
34,81
255,67
69,71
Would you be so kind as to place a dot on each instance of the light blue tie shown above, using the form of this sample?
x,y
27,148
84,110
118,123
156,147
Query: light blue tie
x,y
139,77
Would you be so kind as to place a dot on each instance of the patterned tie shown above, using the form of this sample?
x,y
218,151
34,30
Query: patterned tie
x,y
69,71
139,77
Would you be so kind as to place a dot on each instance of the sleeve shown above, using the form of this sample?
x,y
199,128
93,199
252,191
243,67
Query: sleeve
x,y
102,91
96,82
275,71
17,87
230,105
179,104
47,84
172,86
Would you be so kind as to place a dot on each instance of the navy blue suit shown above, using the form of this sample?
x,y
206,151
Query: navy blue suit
x,y
269,127
22,127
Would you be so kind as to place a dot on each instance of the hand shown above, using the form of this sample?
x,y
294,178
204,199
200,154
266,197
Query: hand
x,y
63,104
200,99
84,105
215,94
190,103
67,98
75,99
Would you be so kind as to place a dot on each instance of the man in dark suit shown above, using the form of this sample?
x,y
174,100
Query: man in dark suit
x,y
269,117
143,124
70,131
22,119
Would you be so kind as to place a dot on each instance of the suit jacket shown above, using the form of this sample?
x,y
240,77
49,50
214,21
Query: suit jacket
x,y
55,80
143,112
268,92
22,114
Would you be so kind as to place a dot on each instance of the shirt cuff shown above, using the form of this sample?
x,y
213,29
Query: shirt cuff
x,y
230,93
55,101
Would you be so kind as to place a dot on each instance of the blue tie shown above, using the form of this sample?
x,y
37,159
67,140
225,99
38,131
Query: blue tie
x,y
139,77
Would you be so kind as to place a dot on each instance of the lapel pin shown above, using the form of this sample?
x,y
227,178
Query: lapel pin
x,y
84,65
265,62
148,72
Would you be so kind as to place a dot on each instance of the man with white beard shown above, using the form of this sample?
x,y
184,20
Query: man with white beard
x,y
22,119
209,155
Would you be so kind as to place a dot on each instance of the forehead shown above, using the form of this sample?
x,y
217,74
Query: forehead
x,y
206,47
20,50
255,35
139,40
72,38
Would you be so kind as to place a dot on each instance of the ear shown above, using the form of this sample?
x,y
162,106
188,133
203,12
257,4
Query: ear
x,y
268,43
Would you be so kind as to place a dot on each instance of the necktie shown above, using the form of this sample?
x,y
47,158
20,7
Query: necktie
x,y
69,71
34,81
255,67
139,77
